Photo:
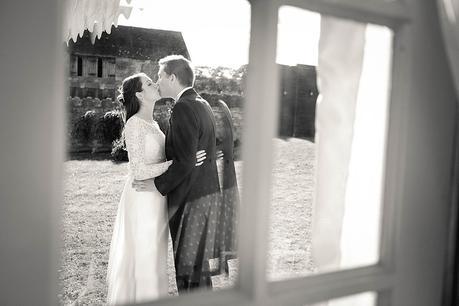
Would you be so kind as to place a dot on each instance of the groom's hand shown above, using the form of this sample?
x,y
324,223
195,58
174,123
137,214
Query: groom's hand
x,y
201,155
220,155
144,185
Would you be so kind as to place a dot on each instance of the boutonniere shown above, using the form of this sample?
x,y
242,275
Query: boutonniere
x,y
170,103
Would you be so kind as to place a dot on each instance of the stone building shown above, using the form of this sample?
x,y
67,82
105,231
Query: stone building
x,y
96,70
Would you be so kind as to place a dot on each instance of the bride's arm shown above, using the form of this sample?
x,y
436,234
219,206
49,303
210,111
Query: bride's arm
x,y
134,134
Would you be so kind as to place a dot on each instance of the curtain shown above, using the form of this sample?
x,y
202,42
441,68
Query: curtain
x,y
339,69
351,123
96,16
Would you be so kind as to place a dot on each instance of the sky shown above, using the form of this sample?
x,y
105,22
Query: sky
x,y
217,32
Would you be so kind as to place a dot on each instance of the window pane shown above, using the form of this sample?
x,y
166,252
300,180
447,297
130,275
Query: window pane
x,y
97,172
99,67
79,66
90,64
329,153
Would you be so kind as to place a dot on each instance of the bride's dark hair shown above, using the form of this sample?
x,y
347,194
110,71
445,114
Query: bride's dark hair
x,y
127,97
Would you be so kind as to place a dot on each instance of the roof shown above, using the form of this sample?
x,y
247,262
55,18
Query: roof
x,y
132,42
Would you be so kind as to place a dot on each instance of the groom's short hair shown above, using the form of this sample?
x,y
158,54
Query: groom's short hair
x,y
181,67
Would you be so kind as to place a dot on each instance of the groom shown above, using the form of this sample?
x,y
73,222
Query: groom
x,y
193,193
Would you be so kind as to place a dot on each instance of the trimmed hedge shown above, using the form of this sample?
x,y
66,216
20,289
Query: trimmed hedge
x,y
119,153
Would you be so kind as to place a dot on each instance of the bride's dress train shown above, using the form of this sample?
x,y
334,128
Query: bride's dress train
x,y
137,267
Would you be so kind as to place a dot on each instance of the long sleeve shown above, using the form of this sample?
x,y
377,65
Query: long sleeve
x,y
135,133
185,134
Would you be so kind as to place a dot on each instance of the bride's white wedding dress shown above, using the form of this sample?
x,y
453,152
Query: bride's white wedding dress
x,y
137,266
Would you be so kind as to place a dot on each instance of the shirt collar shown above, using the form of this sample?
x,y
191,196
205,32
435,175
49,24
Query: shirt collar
x,y
181,93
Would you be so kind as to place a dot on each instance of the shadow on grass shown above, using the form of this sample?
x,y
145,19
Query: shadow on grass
x,y
88,156
287,138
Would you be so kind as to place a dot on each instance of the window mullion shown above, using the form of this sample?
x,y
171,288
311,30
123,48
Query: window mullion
x,y
260,127
312,289
227,297
395,150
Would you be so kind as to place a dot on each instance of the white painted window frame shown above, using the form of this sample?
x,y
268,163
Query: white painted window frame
x,y
419,160
261,119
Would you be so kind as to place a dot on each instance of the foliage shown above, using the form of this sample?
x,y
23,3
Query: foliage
x,y
82,128
162,113
119,152
231,100
113,123
107,128
98,130
220,80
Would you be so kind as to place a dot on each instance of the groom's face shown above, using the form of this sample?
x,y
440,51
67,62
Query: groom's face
x,y
164,83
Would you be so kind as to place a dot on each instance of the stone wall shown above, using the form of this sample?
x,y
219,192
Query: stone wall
x,y
128,66
161,114
77,138
78,141
106,87
237,115
298,97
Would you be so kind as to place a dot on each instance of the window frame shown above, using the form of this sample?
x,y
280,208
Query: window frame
x,y
419,200
379,277
252,287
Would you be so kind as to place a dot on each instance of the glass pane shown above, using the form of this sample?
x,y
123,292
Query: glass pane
x,y
329,151
106,223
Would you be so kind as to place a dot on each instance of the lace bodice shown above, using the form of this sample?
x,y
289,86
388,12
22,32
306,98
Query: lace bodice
x,y
145,146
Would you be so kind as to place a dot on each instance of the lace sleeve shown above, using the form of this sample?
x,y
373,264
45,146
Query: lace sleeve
x,y
135,134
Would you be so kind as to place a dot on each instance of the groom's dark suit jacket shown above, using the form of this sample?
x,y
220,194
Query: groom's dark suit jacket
x,y
192,128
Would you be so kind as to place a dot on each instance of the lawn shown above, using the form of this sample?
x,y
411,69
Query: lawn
x,y
91,192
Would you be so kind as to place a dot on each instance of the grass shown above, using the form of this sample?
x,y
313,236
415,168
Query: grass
x,y
91,195
289,251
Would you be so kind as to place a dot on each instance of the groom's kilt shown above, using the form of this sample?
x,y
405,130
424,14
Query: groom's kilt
x,y
198,239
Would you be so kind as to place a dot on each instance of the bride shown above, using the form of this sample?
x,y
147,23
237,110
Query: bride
x,y
137,267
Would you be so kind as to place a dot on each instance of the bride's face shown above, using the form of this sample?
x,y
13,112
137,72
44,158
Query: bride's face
x,y
150,90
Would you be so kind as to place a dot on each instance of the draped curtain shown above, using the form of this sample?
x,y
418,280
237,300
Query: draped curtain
x,y
351,121
96,16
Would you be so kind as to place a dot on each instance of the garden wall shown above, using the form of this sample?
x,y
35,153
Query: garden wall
x,y
94,124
